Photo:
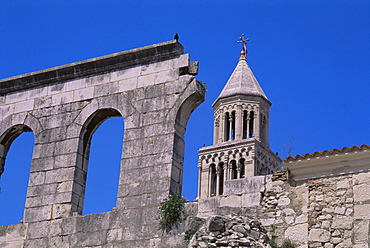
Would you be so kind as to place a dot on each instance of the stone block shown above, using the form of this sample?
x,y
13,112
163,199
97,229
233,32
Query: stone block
x,y
37,214
42,164
114,235
297,233
283,201
62,98
13,232
127,84
231,201
93,222
342,222
208,204
36,178
97,79
38,229
166,76
83,94
15,97
146,80
125,218
362,211
23,106
363,177
319,235
6,110
251,199
255,184
132,72
59,242
105,89
361,231
74,84
154,67
61,210
234,187
84,239
361,192
37,92
150,215
42,102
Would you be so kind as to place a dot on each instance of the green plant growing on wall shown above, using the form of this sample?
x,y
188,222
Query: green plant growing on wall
x,y
170,210
287,243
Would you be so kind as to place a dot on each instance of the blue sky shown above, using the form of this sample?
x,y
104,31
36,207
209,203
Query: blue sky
x,y
311,58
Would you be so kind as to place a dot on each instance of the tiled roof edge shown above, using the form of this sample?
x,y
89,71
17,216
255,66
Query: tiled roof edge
x,y
327,152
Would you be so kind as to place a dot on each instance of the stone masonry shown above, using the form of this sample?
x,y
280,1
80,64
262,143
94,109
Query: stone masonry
x,y
153,89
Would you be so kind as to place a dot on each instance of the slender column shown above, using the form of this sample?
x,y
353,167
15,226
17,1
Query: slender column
x,y
257,124
248,119
230,125
216,131
199,177
238,123
221,136
217,181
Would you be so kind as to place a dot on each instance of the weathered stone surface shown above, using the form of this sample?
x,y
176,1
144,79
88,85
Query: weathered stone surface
x,y
319,235
297,233
362,211
342,222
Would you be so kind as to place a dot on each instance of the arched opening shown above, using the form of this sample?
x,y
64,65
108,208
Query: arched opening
x,y
245,120
227,126
220,174
251,125
16,147
234,174
98,166
212,178
242,168
232,124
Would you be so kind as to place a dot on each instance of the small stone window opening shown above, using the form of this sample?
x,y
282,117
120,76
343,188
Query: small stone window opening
x,y
241,168
220,178
251,125
212,177
234,172
227,127
232,124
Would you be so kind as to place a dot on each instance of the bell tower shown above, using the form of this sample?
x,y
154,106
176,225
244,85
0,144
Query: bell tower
x,y
240,136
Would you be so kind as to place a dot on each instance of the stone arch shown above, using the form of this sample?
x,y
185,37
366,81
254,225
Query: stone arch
x,y
7,138
186,104
88,128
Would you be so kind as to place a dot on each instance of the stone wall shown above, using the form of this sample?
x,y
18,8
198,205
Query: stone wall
x,y
154,89
321,212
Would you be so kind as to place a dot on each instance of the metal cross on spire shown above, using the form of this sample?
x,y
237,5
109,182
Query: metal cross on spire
x,y
244,44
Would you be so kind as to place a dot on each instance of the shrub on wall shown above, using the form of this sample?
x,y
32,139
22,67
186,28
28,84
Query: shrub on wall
x,y
170,210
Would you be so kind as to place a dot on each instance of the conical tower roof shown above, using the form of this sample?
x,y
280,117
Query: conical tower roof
x,y
242,82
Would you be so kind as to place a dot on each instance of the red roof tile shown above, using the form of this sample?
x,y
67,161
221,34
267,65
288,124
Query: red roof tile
x,y
327,152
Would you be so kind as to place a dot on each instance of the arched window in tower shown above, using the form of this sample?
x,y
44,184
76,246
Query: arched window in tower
x,y
212,178
232,125
220,175
227,126
245,120
251,125
241,168
100,147
233,168
16,147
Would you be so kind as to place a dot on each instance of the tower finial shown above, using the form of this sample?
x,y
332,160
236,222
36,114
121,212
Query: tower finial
x,y
244,46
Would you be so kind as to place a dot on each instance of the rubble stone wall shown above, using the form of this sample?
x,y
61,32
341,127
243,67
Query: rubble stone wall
x,y
322,212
